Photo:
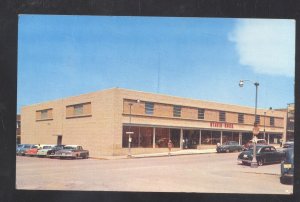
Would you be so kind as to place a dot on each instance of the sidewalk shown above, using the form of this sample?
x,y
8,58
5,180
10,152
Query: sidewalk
x,y
174,153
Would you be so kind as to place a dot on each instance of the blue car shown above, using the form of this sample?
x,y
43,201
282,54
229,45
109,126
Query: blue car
x,y
287,167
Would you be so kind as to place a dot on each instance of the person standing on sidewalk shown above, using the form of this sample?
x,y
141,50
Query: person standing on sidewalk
x,y
170,145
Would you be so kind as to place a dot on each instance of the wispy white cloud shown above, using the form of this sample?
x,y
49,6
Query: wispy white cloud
x,y
266,45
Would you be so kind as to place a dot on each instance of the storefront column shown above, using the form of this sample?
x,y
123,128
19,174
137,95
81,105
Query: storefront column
x,y
240,138
268,135
181,138
154,129
200,137
221,139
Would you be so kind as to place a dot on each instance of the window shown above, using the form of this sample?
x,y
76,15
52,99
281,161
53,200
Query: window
x,y
201,113
177,111
79,110
140,137
149,108
257,119
222,116
271,121
241,118
45,114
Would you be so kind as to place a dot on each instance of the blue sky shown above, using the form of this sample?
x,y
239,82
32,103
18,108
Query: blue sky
x,y
199,58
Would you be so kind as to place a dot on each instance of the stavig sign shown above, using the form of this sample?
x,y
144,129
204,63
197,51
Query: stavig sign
x,y
221,125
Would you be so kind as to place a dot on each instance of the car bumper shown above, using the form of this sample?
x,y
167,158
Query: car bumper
x,y
244,160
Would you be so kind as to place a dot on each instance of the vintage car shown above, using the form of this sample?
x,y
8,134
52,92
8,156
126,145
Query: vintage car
x,y
287,167
288,144
229,146
54,149
20,151
44,150
33,151
71,151
264,154
249,144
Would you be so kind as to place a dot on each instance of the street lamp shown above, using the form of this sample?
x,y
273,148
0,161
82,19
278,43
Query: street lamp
x,y
130,132
255,129
264,125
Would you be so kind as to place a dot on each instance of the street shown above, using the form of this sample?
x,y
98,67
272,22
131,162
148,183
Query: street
x,y
202,173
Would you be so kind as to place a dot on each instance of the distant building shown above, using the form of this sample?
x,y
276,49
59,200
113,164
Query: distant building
x,y
100,122
18,129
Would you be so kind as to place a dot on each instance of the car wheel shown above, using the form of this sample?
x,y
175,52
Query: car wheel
x,y
260,162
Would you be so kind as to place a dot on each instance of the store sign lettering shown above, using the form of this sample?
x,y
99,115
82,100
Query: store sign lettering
x,y
221,125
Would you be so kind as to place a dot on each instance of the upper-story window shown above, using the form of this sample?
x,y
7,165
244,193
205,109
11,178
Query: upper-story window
x,y
241,118
222,116
272,121
177,111
45,114
149,108
201,113
257,119
79,110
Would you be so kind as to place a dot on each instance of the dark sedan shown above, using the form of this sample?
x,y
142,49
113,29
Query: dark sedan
x,y
229,146
264,155
55,149
287,167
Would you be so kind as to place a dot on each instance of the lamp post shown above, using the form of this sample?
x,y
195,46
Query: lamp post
x,y
130,132
264,125
255,128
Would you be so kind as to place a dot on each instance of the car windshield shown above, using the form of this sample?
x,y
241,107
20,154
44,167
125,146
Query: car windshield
x,y
46,147
69,147
27,146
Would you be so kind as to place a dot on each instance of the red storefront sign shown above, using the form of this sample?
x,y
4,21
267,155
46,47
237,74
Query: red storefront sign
x,y
221,125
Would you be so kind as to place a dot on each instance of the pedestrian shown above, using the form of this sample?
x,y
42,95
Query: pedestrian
x,y
170,145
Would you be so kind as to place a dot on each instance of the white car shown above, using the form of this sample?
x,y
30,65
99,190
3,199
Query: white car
x,y
43,151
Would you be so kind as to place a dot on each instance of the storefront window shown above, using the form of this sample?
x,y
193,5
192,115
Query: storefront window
x,y
205,137
191,139
275,138
134,136
175,137
227,136
235,136
146,137
216,137
162,136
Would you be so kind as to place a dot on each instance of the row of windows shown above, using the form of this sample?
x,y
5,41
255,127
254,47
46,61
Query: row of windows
x,y
149,110
77,110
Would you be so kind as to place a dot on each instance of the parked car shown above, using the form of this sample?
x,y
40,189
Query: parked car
x,y
229,146
288,144
23,148
33,151
54,149
72,151
287,167
265,154
249,144
43,151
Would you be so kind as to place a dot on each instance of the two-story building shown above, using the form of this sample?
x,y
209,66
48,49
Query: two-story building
x,y
99,121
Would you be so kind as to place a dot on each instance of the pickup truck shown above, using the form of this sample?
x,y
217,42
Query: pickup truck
x,y
71,151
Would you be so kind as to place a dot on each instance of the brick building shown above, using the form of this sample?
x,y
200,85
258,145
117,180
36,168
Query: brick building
x,y
99,121
18,129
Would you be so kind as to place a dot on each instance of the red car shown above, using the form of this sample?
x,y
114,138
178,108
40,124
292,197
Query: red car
x,y
33,151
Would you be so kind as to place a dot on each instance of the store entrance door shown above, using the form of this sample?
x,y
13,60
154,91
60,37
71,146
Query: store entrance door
x,y
190,139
